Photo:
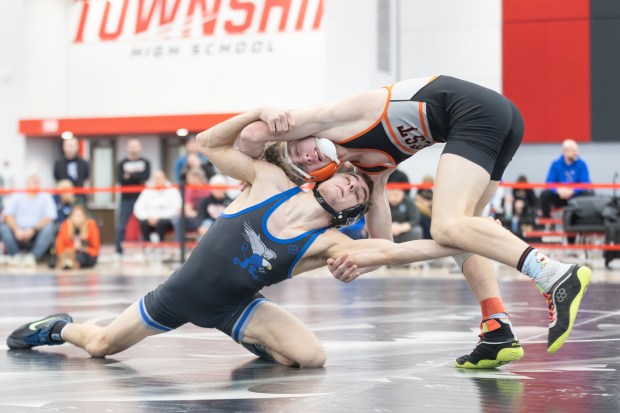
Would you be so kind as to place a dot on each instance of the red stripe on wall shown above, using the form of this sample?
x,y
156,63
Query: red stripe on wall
x,y
530,10
120,125
546,67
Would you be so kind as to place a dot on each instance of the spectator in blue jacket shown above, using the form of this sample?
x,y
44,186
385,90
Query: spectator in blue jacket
x,y
569,169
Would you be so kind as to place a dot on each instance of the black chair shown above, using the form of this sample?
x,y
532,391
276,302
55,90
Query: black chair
x,y
584,215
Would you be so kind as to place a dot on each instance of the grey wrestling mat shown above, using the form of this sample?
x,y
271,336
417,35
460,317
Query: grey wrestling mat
x,y
390,341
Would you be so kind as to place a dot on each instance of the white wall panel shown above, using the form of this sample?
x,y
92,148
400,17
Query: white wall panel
x,y
351,31
39,158
170,69
459,38
45,66
12,144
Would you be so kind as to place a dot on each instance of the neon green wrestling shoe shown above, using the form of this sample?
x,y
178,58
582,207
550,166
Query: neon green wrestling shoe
x,y
564,299
497,346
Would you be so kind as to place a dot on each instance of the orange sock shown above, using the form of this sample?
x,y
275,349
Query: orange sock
x,y
491,306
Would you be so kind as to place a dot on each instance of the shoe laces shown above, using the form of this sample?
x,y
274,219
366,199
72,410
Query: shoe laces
x,y
549,298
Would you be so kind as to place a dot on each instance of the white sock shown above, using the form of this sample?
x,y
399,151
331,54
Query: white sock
x,y
63,330
543,270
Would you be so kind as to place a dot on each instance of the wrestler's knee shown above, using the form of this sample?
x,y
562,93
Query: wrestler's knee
x,y
313,358
445,232
99,346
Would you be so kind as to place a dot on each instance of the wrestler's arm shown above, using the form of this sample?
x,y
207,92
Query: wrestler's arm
x,y
326,120
356,257
317,254
217,143
379,217
361,256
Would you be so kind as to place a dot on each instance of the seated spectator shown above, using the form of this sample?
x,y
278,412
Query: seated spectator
x,y
65,200
29,223
156,207
78,241
193,199
212,206
193,161
399,176
424,203
191,148
525,205
405,217
567,169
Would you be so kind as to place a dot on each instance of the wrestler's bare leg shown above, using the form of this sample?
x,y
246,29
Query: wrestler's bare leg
x,y
284,337
498,345
459,186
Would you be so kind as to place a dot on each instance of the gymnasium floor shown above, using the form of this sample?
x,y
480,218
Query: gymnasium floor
x,y
391,338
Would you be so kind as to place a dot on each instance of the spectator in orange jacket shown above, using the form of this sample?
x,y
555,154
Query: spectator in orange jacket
x,y
78,241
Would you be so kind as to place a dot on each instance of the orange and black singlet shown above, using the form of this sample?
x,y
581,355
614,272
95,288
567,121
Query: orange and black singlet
x,y
475,122
401,131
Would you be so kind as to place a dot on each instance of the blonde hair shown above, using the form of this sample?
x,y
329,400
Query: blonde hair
x,y
274,154
83,229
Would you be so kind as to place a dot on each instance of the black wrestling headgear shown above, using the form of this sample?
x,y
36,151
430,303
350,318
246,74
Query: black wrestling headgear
x,y
343,218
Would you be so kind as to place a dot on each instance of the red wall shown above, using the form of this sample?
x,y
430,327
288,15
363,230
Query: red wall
x,y
546,67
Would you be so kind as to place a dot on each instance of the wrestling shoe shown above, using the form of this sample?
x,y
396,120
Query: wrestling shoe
x,y
563,300
38,333
497,346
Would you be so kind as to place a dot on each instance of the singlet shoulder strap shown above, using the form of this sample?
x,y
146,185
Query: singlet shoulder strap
x,y
282,196
315,233
272,237
376,122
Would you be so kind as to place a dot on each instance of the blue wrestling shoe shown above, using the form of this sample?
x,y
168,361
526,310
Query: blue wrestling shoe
x,y
39,333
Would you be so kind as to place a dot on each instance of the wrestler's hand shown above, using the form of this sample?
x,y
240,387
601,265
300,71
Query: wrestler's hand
x,y
343,268
278,120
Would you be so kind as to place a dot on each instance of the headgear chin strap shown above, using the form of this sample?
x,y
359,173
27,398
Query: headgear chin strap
x,y
343,218
327,148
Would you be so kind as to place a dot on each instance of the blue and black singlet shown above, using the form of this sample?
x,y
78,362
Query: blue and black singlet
x,y
220,281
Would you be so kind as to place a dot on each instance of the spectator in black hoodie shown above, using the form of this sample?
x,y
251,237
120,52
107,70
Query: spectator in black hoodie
x,y
132,170
71,166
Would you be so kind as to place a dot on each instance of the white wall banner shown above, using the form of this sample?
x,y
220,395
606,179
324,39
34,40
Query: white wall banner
x,y
149,57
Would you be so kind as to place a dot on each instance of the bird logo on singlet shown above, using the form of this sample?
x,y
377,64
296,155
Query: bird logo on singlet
x,y
256,255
